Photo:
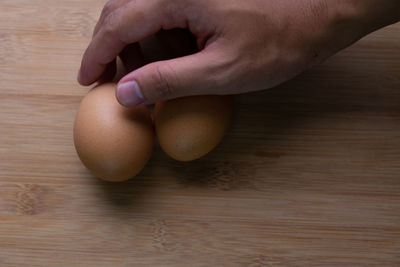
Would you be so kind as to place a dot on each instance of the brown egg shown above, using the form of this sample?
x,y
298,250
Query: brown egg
x,y
190,127
112,141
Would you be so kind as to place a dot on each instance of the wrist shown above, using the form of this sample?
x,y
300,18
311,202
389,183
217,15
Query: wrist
x,y
350,20
370,15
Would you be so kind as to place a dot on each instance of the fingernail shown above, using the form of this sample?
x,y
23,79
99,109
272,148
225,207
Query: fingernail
x,y
129,94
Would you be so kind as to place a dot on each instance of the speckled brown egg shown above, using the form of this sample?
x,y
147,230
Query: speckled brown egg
x,y
112,141
188,128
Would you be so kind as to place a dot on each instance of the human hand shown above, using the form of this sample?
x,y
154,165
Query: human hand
x,y
242,46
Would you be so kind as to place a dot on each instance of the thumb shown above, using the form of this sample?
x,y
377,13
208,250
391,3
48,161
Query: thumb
x,y
195,74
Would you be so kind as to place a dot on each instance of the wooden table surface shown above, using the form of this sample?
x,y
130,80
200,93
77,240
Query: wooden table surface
x,y
309,173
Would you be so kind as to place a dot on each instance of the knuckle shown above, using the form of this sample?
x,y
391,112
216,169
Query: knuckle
x,y
108,8
111,23
163,80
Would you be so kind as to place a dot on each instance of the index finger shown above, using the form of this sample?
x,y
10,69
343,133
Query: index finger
x,y
130,24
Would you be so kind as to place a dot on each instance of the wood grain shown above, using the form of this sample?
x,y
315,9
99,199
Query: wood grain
x,y
307,176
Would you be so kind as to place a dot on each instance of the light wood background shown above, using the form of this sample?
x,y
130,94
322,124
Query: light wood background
x,y
309,173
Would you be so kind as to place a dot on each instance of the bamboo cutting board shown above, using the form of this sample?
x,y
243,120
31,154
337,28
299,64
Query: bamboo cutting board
x,y
309,173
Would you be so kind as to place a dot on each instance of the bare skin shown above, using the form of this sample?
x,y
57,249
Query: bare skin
x,y
242,46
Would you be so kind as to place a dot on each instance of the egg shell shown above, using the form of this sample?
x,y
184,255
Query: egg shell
x,y
190,127
112,141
